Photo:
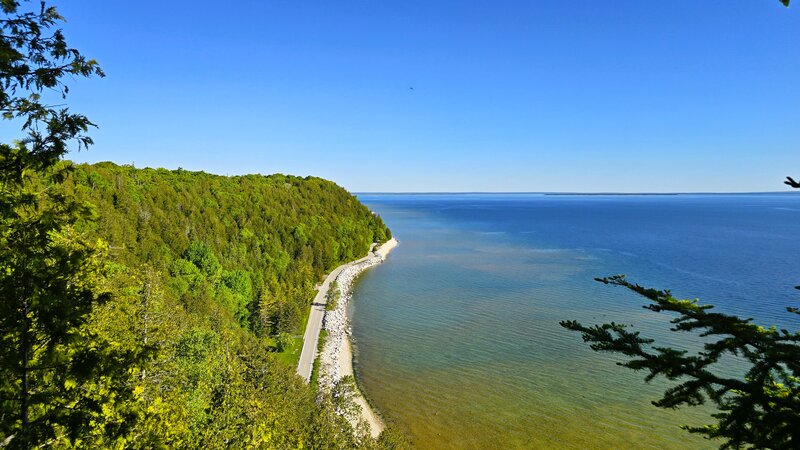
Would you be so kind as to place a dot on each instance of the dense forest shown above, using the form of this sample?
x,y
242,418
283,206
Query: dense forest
x,y
197,275
253,245
146,308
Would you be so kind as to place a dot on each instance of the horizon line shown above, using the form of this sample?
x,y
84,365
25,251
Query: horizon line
x,y
556,193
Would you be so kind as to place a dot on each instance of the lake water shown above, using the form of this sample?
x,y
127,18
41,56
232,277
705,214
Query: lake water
x,y
457,336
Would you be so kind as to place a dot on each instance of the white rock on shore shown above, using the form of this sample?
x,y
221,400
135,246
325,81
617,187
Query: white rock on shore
x,y
335,357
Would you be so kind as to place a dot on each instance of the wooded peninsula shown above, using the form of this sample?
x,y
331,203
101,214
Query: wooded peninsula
x,y
203,285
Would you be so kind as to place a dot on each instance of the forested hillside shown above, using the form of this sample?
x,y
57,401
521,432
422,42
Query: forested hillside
x,y
254,244
152,308
199,271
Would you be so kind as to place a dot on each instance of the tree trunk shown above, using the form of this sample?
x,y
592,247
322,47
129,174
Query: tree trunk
x,y
26,350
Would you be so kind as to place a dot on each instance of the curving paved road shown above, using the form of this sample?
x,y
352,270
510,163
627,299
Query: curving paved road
x,y
311,336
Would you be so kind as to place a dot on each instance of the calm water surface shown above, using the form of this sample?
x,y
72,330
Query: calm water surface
x,y
457,336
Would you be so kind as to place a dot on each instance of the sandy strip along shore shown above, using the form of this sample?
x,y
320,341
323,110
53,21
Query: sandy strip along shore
x,y
336,358
311,336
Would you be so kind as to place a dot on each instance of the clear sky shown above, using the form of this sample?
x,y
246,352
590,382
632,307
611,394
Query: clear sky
x,y
584,95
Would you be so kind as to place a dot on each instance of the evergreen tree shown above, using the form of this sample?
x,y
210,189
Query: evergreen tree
x,y
760,410
48,273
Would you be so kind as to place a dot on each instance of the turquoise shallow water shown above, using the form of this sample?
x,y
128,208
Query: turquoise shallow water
x,y
457,338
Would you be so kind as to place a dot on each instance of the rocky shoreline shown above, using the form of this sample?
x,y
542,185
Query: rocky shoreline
x,y
335,359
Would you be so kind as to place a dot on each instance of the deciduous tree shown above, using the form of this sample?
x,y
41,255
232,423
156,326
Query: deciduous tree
x,y
47,271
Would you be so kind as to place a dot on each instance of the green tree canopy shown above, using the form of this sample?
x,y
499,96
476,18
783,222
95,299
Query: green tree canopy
x,y
35,60
50,364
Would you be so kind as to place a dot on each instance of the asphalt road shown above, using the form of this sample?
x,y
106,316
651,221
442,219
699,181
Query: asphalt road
x,y
311,336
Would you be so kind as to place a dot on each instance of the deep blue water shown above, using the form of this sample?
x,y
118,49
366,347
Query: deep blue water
x,y
457,336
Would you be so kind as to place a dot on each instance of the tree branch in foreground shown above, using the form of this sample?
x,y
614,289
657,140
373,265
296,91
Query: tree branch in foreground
x,y
761,410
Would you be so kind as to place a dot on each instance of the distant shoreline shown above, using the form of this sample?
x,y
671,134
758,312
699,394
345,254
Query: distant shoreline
x,y
788,192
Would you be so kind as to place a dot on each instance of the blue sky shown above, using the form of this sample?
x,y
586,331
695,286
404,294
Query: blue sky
x,y
628,96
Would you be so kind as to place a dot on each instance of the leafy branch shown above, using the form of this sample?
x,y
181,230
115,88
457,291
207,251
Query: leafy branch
x,y
762,410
